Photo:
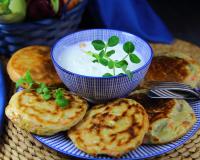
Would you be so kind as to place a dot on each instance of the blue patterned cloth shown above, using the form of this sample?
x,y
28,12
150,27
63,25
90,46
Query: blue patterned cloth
x,y
134,16
2,98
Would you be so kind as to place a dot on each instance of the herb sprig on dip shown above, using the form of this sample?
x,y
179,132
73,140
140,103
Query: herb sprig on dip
x,y
104,56
42,89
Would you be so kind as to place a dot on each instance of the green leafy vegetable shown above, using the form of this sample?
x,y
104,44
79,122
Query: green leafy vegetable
x,y
95,56
129,73
101,54
134,58
46,96
20,81
60,99
113,41
27,79
110,53
104,57
62,102
42,89
107,75
98,44
95,61
120,74
59,93
103,61
124,67
111,64
121,63
128,47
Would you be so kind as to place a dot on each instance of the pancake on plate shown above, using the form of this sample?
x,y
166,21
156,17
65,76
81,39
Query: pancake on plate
x,y
112,129
37,60
29,111
169,119
176,67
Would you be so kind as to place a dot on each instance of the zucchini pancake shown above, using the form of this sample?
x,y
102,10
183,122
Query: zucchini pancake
x,y
169,119
29,111
175,67
37,60
112,129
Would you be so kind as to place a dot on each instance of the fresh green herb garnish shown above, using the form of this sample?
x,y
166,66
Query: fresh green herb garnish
x,y
27,79
104,57
60,99
42,89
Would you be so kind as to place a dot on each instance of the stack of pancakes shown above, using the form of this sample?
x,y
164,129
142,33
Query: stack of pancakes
x,y
114,128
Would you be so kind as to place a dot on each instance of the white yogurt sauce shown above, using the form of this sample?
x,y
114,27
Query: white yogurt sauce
x,y
75,60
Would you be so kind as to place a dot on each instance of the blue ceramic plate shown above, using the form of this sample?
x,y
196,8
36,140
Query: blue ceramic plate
x,y
61,143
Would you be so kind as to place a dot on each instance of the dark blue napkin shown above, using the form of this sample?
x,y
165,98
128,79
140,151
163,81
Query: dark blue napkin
x,y
134,16
2,98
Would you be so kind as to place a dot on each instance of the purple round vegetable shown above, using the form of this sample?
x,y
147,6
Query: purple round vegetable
x,y
41,9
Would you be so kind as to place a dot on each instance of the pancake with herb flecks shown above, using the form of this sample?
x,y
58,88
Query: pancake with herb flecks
x,y
169,118
29,111
112,129
174,67
37,60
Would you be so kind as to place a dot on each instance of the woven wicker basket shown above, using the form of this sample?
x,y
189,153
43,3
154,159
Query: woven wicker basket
x,y
44,32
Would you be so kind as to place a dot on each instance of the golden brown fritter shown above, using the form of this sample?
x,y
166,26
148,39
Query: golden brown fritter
x,y
169,118
112,129
37,60
31,112
174,67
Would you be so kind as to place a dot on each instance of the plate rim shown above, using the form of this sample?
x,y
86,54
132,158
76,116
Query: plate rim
x,y
193,131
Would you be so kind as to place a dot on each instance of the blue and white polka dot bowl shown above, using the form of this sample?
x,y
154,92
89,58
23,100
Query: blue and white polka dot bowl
x,y
98,89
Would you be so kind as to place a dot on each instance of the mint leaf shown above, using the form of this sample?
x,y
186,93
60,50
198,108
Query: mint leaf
x,y
95,61
30,85
101,54
124,68
128,47
98,44
59,93
120,74
110,53
113,41
107,75
104,58
111,64
20,81
134,58
45,90
121,63
42,85
28,77
95,56
46,96
62,102
129,73
39,90
89,53
103,61
60,99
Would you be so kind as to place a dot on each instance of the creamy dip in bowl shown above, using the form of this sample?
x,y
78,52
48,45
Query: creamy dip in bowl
x,y
78,71
75,60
